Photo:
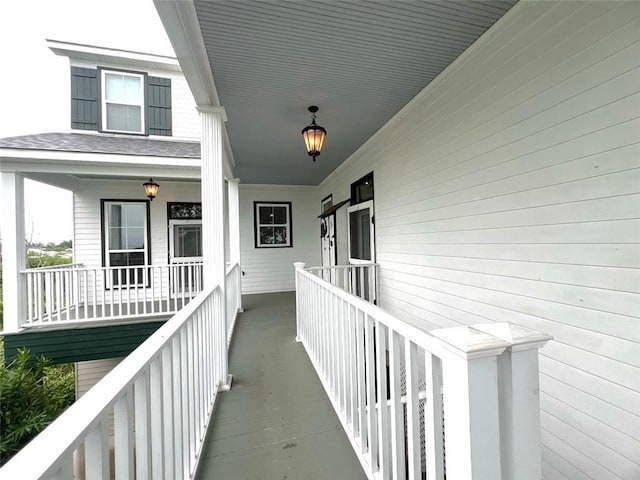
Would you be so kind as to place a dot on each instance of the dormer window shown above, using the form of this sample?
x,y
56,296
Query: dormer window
x,y
123,102
110,100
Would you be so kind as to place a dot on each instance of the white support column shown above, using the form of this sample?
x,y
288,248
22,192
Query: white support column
x,y
298,266
234,232
519,390
213,245
471,408
14,256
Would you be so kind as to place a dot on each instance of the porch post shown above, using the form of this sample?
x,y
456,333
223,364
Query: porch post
x,y
519,391
234,233
298,267
14,255
213,244
471,406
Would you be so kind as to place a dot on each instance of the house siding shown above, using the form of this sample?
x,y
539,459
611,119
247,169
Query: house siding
x,y
271,269
86,204
509,190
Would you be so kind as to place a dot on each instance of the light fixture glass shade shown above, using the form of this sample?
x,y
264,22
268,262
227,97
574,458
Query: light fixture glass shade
x,y
151,188
313,135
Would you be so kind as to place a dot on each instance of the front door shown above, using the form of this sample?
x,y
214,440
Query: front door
x,y
362,248
185,248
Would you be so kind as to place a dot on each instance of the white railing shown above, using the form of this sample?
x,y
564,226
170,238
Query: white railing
x,y
160,398
73,293
234,297
405,395
359,280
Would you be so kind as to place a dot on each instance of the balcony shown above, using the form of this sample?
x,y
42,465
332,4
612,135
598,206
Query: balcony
x,y
162,413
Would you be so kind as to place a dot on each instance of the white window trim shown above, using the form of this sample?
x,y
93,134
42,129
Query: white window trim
x,y
257,224
103,101
108,251
173,223
366,205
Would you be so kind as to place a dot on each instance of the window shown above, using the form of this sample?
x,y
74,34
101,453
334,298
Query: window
x,y
122,102
272,222
362,190
126,240
185,232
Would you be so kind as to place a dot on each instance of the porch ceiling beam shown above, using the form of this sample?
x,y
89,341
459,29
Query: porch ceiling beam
x,y
65,181
88,170
180,20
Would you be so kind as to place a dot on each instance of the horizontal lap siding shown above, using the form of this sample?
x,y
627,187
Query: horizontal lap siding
x,y
509,190
87,235
271,269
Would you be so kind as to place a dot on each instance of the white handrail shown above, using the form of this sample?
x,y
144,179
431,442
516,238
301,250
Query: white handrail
x,y
233,294
161,396
72,294
441,388
357,279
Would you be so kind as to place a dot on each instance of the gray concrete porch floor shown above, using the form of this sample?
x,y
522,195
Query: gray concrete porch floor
x,y
276,422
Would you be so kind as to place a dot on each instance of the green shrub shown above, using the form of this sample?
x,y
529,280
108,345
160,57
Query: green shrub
x,y
33,392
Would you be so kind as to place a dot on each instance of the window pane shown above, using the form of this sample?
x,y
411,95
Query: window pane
x,y
266,215
117,238
360,231
266,236
135,239
126,259
280,215
134,214
131,90
122,88
126,118
113,87
280,235
187,241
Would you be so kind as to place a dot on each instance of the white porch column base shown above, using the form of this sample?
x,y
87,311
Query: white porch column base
x,y
213,244
298,266
519,391
14,255
471,409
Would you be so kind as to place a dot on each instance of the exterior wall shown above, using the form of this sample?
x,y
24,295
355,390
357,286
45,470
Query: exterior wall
x,y
509,190
90,373
185,117
271,269
86,205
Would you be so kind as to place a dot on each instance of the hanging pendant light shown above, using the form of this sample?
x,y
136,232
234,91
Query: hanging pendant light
x,y
313,135
151,189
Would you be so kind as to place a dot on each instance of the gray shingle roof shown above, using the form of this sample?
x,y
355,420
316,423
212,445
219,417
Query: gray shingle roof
x,y
110,144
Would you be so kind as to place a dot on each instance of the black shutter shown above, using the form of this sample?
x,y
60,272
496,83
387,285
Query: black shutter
x,y
159,106
84,98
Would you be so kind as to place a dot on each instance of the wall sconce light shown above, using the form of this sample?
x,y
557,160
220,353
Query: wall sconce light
x,y
151,189
313,135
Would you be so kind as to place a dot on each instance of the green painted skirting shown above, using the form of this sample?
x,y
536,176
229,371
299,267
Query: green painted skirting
x,y
81,344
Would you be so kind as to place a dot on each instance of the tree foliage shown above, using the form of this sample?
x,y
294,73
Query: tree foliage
x,y
33,392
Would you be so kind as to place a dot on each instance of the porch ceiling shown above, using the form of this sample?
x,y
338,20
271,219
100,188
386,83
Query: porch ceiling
x,y
360,62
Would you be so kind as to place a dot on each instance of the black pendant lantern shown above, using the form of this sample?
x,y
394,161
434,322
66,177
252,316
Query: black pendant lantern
x,y
151,189
313,135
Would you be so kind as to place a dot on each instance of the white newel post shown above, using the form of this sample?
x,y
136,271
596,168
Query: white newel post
x,y
213,244
471,406
298,266
519,389
14,255
234,233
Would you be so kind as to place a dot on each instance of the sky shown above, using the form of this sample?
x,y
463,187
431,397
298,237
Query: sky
x,y
33,77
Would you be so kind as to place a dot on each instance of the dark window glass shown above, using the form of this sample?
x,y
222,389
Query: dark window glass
x,y
359,223
362,190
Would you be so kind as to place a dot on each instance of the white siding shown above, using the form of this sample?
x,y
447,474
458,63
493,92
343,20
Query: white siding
x,y
271,269
509,190
87,235
91,372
